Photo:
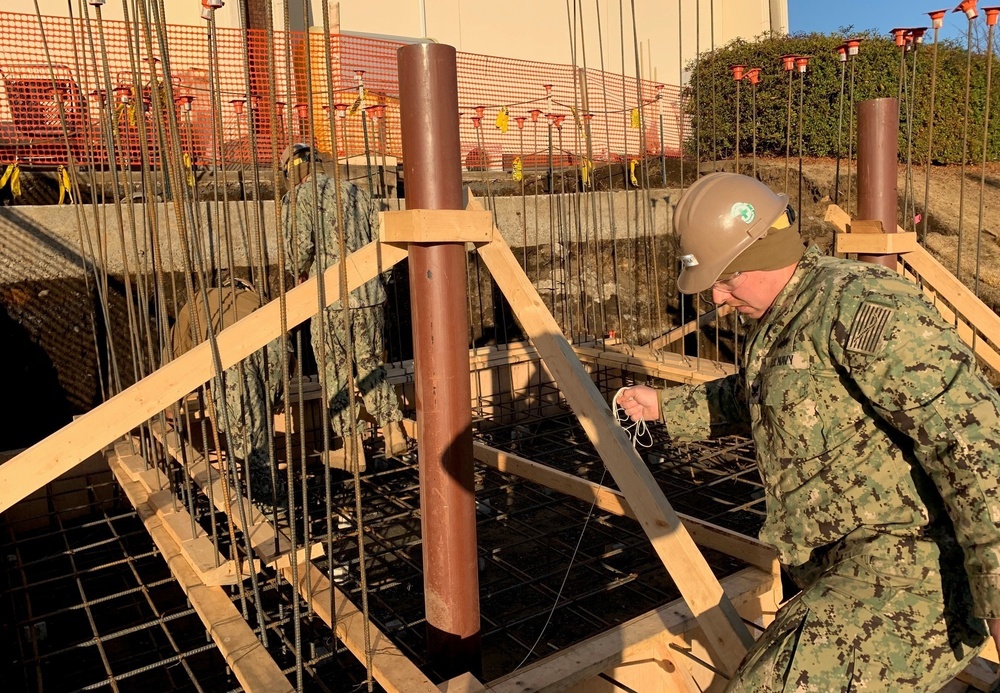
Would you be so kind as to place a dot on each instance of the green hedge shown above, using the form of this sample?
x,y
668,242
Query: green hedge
x,y
876,75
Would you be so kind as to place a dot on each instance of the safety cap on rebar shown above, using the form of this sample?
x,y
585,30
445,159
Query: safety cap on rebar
x,y
98,95
587,117
559,121
737,71
753,74
937,18
520,121
969,8
185,101
991,15
899,34
917,33
801,62
854,46
788,62
375,111
476,121
95,3
535,112
360,76
301,110
341,109
123,94
237,105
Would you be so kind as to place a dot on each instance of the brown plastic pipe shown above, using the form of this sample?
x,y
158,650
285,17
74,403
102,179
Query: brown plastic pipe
x,y
878,155
432,170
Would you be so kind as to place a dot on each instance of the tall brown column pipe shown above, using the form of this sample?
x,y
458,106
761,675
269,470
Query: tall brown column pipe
x,y
432,169
878,156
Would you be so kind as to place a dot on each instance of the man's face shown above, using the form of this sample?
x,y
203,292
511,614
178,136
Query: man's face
x,y
751,293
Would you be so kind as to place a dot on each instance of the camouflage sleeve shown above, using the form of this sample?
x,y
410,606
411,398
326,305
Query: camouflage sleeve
x,y
303,239
923,381
709,410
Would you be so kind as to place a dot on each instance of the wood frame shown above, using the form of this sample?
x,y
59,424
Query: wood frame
x,y
73,443
728,637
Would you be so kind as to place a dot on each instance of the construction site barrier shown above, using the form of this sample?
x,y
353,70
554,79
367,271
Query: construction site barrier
x,y
58,77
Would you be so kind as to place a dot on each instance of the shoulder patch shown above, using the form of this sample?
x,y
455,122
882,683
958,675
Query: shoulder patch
x,y
869,327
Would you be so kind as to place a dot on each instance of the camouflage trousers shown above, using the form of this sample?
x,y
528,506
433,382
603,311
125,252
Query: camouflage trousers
x,y
869,623
249,394
371,379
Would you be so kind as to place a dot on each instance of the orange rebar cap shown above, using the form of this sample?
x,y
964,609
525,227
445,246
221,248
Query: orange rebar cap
x,y
854,46
737,71
801,62
969,8
788,62
753,74
991,15
535,112
520,121
918,34
900,35
937,18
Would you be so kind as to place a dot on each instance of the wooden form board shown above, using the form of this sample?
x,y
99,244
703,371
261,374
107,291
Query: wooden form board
x,y
727,634
690,326
876,243
390,667
704,533
965,310
246,656
570,669
67,447
436,226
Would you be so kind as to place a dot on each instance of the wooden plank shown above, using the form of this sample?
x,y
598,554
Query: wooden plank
x,y
626,642
75,442
688,568
390,667
704,533
980,674
436,226
246,656
463,683
690,326
876,244
671,367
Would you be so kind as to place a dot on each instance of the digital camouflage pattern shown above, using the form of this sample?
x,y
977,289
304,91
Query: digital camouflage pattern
x,y
878,442
249,391
308,246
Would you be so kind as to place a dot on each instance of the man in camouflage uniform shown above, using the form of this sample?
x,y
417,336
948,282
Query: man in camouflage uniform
x,y
312,200
247,387
878,442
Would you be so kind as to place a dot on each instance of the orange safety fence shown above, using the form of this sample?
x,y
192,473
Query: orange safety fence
x,y
52,102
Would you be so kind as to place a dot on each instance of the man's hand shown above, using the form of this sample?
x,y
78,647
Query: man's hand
x,y
641,403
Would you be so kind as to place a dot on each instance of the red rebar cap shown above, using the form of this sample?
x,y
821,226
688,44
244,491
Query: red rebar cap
x,y
587,117
753,74
918,33
302,110
991,15
534,114
237,105
559,120
788,62
480,111
842,52
737,71
969,8
341,109
548,88
376,111
476,121
900,35
801,62
854,46
937,18
520,122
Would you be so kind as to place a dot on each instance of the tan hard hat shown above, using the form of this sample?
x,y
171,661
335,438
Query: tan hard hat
x,y
294,158
716,219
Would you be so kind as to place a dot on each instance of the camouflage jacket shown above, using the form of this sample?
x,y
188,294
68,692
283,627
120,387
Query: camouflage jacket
x,y
869,416
306,243
225,306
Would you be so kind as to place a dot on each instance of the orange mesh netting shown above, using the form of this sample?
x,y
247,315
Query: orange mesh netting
x,y
601,116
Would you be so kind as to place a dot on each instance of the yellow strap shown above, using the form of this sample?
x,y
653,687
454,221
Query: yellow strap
x,y
65,190
7,174
585,167
631,172
518,169
189,172
635,119
503,119
15,180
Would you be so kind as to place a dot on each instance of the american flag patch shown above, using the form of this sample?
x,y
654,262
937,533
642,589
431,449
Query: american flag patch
x,y
869,328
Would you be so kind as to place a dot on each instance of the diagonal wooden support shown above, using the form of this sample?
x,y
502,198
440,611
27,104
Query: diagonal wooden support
x,y
728,636
75,442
